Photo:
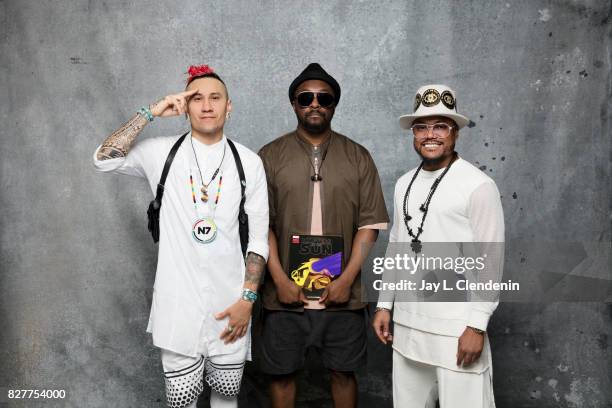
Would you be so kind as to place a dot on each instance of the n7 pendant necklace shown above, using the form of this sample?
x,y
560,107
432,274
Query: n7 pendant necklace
x,y
416,242
204,229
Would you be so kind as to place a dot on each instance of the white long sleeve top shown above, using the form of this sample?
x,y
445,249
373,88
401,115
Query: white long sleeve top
x,y
466,207
194,281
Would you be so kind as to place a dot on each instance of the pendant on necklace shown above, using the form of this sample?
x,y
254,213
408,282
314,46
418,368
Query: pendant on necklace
x,y
204,230
204,191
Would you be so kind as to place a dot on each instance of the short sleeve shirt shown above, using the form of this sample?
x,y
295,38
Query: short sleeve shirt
x,y
350,192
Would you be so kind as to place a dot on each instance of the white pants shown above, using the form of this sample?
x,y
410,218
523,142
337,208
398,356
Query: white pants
x,y
185,376
419,385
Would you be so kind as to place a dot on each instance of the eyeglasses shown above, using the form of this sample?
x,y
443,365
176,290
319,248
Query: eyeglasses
x,y
441,130
304,99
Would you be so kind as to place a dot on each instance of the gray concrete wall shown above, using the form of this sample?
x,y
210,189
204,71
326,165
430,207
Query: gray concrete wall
x,y
77,261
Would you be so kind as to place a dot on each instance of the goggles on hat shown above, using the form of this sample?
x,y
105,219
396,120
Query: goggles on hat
x,y
325,99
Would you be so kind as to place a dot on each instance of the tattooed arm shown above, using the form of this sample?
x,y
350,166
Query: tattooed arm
x,y
255,265
119,143
239,313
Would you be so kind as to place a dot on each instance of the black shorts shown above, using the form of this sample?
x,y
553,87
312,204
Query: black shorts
x,y
338,336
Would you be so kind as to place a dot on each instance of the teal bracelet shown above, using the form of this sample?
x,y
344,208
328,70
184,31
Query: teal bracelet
x,y
249,295
146,112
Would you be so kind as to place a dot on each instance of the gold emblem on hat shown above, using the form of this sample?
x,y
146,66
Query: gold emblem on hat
x,y
417,101
430,97
448,100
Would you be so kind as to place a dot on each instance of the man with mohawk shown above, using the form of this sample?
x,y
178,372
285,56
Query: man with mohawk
x,y
204,293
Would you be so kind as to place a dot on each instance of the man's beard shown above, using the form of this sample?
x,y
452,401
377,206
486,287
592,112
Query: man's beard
x,y
431,162
435,161
314,128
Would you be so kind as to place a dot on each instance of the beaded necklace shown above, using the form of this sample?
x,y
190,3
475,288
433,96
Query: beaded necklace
x,y
204,188
416,242
193,191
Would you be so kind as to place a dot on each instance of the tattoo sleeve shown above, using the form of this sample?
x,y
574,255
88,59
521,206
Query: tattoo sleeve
x,y
118,144
255,265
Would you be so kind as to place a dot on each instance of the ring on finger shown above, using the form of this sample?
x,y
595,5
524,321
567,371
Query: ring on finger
x,y
230,329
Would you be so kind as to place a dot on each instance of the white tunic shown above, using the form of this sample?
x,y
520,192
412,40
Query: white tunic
x,y
195,281
466,207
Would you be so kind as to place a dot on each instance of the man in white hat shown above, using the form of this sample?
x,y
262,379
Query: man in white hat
x,y
441,349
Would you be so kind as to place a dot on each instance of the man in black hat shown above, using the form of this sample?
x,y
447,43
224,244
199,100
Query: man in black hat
x,y
326,203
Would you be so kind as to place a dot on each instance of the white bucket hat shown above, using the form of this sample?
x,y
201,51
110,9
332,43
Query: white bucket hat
x,y
434,100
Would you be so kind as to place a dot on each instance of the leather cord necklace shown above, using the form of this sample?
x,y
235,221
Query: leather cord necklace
x,y
316,166
416,242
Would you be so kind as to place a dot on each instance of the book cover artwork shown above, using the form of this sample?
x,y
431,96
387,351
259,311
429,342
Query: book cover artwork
x,y
314,261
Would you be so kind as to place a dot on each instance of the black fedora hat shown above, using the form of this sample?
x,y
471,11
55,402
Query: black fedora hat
x,y
315,71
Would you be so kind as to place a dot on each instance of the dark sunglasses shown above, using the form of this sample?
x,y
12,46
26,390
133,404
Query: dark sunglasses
x,y
304,99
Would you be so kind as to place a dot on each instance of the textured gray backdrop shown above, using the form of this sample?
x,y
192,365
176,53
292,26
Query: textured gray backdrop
x,y
77,260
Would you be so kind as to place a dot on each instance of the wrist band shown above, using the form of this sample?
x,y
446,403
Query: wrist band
x,y
378,309
249,295
146,112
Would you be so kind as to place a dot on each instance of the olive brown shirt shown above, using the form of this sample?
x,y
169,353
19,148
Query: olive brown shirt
x,y
350,194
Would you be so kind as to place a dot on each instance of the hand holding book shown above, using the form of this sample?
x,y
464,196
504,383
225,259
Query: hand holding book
x,y
336,292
